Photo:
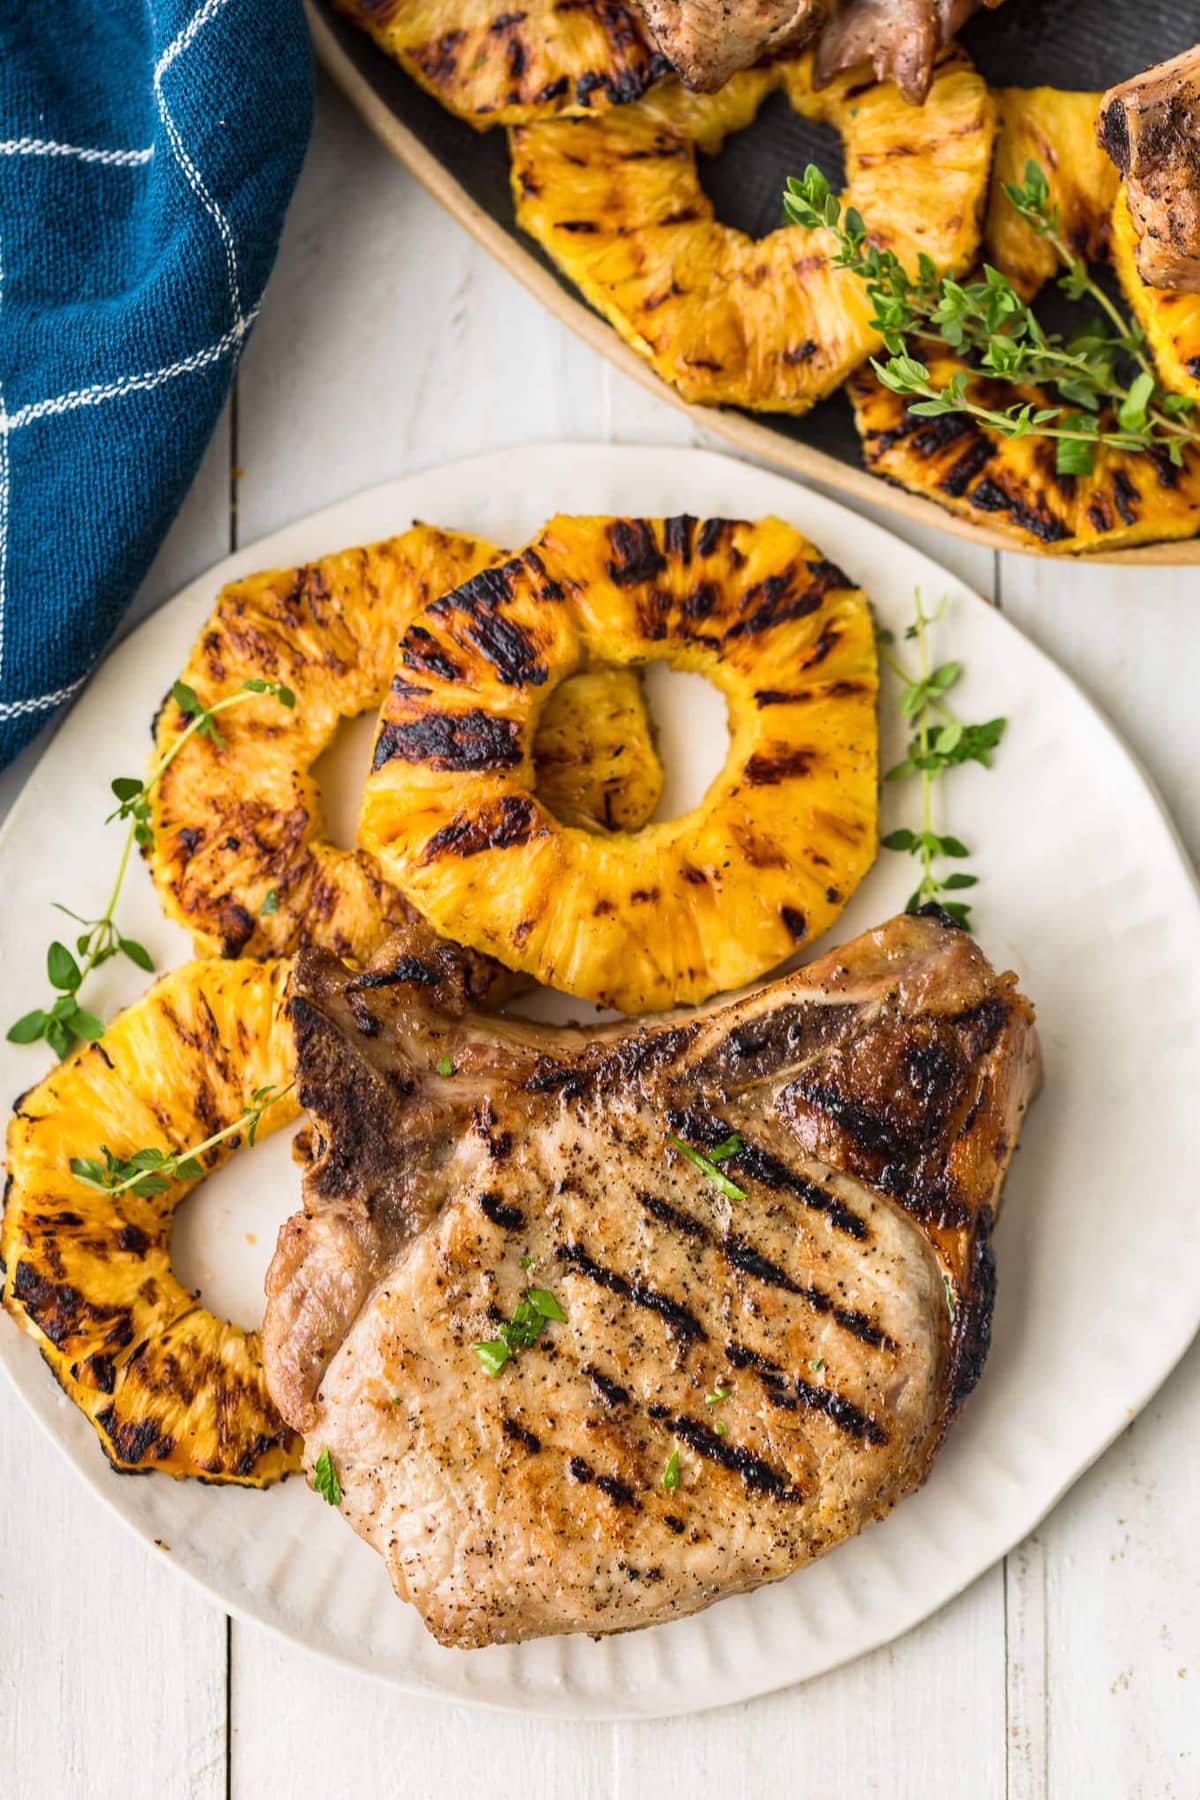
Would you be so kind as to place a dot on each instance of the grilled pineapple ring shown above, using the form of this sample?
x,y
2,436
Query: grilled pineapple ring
x,y
494,65
239,855
1010,484
165,1383
616,201
681,909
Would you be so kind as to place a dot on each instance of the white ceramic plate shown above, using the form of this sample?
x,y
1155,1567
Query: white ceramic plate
x,y
1084,890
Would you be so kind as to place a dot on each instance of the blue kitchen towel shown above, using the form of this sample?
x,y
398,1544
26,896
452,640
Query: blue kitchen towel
x,y
148,150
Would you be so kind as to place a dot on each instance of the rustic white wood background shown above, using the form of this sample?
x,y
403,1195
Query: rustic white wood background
x,y
389,342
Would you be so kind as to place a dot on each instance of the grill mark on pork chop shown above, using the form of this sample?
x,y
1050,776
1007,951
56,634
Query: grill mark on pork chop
x,y
569,1081
675,1217
606,1387
751,1160
747,1259
759,1476
842,1412
619,1492
509,1218
575,1258
406,969
789,1394
520,1434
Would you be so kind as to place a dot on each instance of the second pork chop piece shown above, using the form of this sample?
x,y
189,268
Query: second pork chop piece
x,y
707,41
758,1353
1150,126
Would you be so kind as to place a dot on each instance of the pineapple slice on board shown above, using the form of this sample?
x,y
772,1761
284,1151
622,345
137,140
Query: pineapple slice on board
x,y
166,1384
1010,484
1057,130
239,854
680,909
1170,320
616,201
493,65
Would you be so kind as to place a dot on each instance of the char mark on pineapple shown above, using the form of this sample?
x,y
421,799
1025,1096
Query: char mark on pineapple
x,y
500,826
474,740
636,557
472,612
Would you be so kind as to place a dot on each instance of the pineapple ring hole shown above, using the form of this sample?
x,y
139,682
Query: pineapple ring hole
x,y
340,773
341,770
690,716
748,174
223,1231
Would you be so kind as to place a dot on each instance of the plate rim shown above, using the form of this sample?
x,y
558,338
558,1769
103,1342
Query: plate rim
x,y
42,1398
739,429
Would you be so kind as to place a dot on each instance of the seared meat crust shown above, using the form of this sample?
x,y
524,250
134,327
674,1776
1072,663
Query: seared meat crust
x,y
839,1296
1150,126
707,41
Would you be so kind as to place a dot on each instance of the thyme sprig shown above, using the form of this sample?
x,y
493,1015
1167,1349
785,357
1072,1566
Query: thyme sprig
x,y
150,1171
940,740
1104,385
65,1022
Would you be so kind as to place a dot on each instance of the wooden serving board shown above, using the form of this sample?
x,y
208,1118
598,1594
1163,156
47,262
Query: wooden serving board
x,y
1087,44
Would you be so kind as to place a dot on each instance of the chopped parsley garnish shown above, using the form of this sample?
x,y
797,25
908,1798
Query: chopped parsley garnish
x,y
817,1366
444,1066
493,1355
708,1167
527,1262
270,904
530,1316
718,1394
325,1479
720,1428
670,1475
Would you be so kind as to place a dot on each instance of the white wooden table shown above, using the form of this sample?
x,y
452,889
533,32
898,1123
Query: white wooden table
x,y
389,342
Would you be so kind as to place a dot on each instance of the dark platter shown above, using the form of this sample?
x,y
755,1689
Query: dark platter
x,y
1087,44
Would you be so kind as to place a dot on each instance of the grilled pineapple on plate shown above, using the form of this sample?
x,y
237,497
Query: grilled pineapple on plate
x,y
1058,131
678,910
1169,318
594,756
1010,483
616,201
165,1383
239,854
495,66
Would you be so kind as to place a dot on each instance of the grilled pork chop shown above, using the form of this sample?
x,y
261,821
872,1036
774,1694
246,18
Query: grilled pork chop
x,y
1150,126
709,40
790,1338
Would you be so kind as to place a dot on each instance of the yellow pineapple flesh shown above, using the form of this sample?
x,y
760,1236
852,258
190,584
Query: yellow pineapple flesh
x,y
165,1383
597,766
1170,319
493,65
240,856
617,203
1057,130
680,909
